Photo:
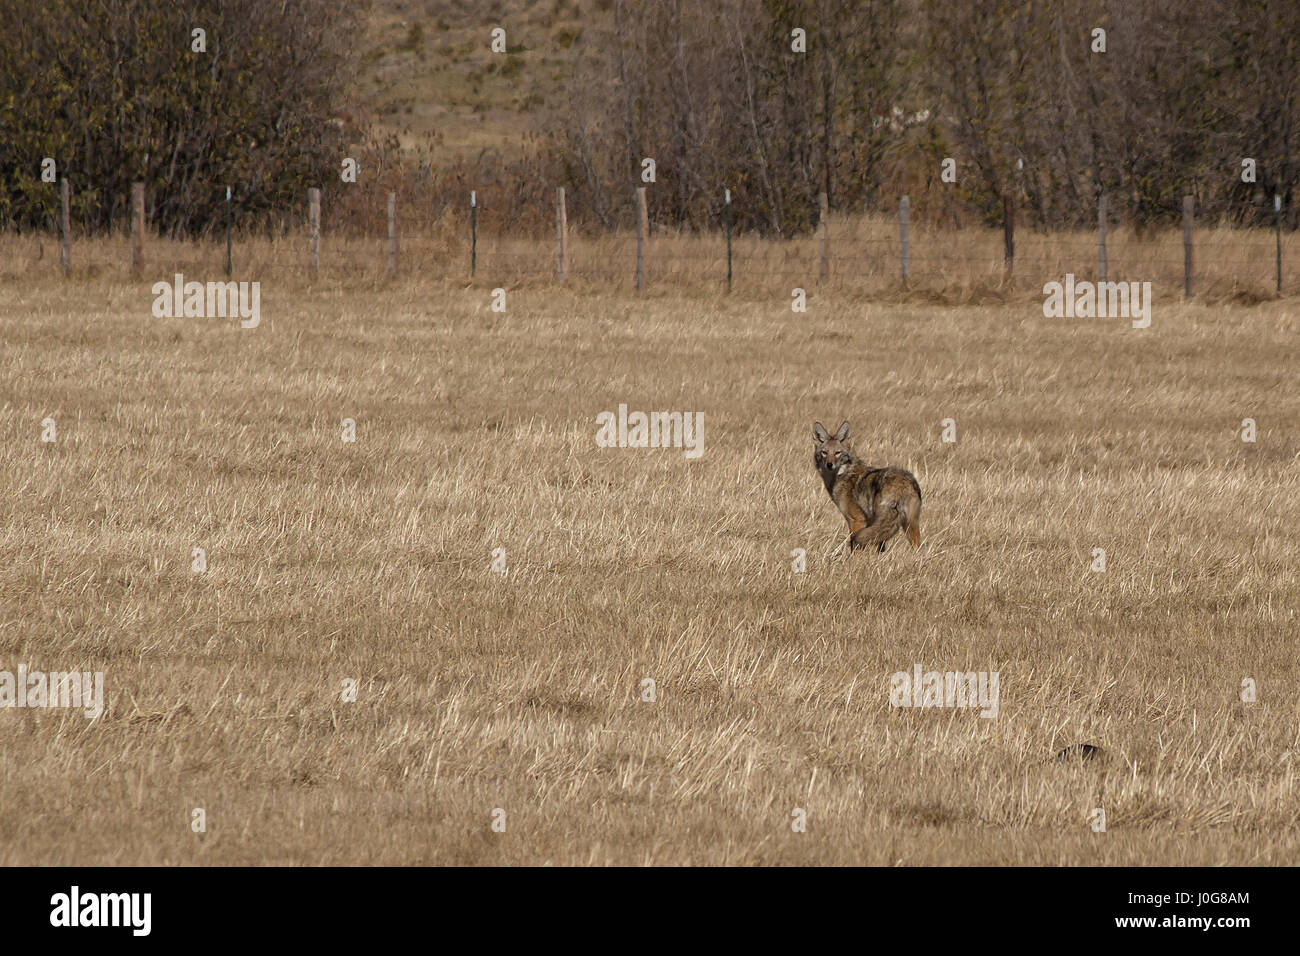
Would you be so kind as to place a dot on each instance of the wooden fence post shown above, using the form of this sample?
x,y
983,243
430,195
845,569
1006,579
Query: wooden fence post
x,y
228,231
313,231
726,214
561,233
904,219
640,236
1187,247
392,234
1101,237
137,229
1008,235
65,223
822,227
1277,229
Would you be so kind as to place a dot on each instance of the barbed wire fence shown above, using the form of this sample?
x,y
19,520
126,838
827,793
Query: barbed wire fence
x,y
899,253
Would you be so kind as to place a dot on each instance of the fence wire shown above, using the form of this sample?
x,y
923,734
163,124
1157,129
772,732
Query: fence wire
x,y
862,253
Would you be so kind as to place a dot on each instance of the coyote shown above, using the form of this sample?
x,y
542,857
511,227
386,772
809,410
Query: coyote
x,y
876,502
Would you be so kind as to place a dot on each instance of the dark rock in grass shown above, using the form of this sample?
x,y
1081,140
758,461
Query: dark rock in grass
x,y
1081,752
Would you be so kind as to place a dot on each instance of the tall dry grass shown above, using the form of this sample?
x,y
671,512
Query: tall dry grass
x,y
475,431
948,266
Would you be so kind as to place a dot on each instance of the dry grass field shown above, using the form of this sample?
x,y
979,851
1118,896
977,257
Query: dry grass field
x,y
423,78
475,431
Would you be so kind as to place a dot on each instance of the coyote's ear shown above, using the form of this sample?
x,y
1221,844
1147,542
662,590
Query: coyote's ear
x,y
819,432
843,433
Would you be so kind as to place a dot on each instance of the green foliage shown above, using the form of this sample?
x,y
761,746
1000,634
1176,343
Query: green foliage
x,y
116,93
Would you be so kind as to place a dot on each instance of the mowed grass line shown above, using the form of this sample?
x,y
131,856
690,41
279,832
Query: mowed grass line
x,y
475,431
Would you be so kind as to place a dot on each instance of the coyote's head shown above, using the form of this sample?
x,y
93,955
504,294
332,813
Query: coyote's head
x,y
832,455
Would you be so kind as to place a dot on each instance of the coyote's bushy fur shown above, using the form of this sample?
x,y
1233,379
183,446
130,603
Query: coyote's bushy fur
x,y
876,502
